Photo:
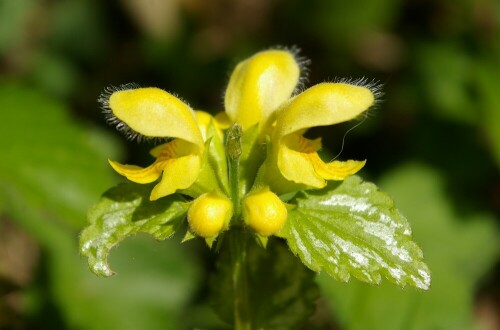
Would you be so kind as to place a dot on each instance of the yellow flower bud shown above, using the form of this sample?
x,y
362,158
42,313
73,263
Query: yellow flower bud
x,y
209,214
264,212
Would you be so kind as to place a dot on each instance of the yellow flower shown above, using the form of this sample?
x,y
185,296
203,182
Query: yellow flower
x,y
260,92
259,97
152,112
295,157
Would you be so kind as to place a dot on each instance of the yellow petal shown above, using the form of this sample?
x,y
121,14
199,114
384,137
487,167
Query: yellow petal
x,y
173,149
204,119
139,174
323,105
259,85
179,160
336,170
153,112
179,173
299,162
222,120
294,162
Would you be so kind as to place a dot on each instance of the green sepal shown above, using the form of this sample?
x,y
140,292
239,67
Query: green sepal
x,y
210,241
252,156
288,196
352,228
213,173
261,240
189,236
217,157
219,242
123,211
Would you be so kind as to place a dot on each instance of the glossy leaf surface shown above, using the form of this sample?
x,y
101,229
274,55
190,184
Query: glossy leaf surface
x,y
354,229
52,169
459,250
123,211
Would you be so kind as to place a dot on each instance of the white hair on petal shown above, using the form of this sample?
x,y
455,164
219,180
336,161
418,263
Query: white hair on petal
x,y
303,63
112,120
375,87
372,84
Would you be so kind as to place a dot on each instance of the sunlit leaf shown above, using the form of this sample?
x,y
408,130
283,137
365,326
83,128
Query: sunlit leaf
x,y
123,211
51,172
354,229
458,252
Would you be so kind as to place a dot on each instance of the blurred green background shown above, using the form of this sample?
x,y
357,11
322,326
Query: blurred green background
x,y
433,143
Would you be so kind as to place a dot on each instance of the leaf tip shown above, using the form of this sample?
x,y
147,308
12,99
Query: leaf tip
x,y
101,268
424,282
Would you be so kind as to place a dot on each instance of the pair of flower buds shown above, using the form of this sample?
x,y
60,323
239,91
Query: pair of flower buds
x,y
211,213
275,158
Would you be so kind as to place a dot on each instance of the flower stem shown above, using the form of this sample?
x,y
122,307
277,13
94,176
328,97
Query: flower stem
x,y
233,152
242,319
238,239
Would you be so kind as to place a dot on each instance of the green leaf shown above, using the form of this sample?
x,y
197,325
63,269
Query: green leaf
x,y
217,157
354,229
213,173
152,289
49,159
282,292
52,171
458,249
123,211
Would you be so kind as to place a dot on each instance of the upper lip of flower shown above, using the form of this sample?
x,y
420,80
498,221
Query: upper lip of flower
x,y
150,113
259,85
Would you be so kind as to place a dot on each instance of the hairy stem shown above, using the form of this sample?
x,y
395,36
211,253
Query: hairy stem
x,y
233,152
238,238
